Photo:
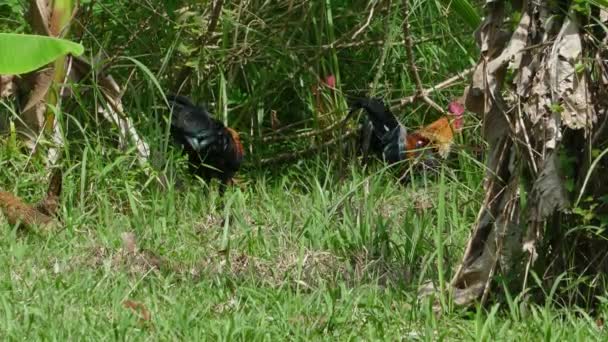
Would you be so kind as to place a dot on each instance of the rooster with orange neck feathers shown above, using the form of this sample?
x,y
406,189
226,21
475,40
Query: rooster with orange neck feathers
x,y
390,139
214,150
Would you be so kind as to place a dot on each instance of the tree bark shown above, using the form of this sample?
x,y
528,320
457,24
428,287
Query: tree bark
x,y
534,85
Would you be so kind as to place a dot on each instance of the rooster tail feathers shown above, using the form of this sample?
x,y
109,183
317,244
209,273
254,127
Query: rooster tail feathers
x,y
377,111
179,102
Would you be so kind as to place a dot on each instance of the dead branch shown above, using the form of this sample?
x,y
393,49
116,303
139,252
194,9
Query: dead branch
x,y
215,15
39,217
442,85
297,154
274,138
367,22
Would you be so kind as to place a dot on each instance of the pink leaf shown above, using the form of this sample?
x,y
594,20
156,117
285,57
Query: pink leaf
x,y
330,81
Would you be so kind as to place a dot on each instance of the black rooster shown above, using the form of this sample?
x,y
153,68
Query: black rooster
x,y
214,150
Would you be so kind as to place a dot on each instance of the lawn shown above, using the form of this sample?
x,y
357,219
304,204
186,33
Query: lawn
x,y
301,253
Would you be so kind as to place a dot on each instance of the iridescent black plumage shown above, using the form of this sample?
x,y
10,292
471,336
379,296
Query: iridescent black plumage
x,y
388,136
214,150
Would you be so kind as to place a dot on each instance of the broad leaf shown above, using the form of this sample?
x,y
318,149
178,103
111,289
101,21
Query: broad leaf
x,y
23,53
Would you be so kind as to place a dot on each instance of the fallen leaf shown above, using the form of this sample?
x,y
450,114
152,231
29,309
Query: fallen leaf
x,y
7,85
138,309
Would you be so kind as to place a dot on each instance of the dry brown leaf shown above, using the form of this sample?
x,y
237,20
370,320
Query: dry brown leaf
x,y
38,83
31,119
138,309
7,85
512,54
548,190
568,86
17,211
489,36
39,16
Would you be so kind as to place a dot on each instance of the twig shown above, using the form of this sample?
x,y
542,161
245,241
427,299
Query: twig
x,y
360,43
289,126
215,14
411,62
442,85
274,138
294,155
369,19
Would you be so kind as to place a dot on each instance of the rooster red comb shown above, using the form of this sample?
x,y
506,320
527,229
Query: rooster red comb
x,y
457,109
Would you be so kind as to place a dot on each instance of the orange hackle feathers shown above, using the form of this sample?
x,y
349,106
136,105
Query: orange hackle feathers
x,y
237,142
440,133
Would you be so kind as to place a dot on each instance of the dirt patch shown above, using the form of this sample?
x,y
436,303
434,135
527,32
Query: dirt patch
x,y
306,271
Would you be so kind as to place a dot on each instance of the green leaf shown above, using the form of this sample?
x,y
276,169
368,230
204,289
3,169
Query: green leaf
x,y
600,3
150,75
465,10
22,53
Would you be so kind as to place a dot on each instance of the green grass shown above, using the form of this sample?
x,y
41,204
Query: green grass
x,y
304,254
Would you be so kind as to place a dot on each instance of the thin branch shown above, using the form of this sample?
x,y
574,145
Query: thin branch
x,y
274,138
369,20
411,60
294,155
289,126
215,14
442,85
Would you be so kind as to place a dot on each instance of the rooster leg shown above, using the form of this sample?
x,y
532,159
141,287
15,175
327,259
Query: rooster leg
x,y
366,133
224,185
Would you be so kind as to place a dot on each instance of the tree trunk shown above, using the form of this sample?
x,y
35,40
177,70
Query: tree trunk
x,y
541,90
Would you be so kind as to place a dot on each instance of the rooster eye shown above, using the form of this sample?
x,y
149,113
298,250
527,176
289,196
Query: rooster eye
x,y
419,143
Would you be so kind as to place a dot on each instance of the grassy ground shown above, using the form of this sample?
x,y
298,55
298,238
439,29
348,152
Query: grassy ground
x,y
300,253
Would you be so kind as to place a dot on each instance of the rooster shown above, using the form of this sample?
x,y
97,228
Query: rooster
x,y
214,150
390,139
